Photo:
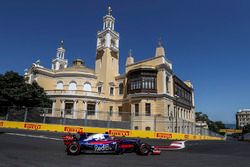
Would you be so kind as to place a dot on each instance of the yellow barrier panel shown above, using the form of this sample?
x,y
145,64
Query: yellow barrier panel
x,y
111,131
231,130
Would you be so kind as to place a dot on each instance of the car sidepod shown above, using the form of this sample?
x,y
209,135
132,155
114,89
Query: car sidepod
x,y
100,147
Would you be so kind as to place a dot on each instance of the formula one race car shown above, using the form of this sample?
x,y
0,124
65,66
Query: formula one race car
x,y
103,143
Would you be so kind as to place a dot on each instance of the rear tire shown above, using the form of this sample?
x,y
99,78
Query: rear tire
x,y
143,149
73,148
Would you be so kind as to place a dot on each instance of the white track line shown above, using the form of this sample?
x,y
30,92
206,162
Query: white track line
x,y
33,136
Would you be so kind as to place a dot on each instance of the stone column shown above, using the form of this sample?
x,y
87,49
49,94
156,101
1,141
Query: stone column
x,y
54,108
161,81
85,115
62,108
85,109
132,116
75,109
164,82
96,109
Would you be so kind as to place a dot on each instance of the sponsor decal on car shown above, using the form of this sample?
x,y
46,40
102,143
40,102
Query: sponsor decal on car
x,y
102,147
164,135
1,123
32,126
119,132
72,129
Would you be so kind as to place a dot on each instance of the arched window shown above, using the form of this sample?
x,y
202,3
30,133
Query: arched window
x,y
87,87
147,128
72,85
136,127
59,85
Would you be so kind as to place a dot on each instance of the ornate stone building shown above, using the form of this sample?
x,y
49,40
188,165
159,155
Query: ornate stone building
x,y
148,93
242,118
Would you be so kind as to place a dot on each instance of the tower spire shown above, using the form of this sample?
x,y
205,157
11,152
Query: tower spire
x,y
109,11
59,62
160,51
160,43
130,59
61,44
108,20
130,53
108,37
61,50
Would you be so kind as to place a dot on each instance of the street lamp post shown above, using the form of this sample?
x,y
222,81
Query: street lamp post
x,y
176,112
172,120
155,121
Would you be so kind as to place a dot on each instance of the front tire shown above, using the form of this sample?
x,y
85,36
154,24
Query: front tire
x,y
143,149
73,148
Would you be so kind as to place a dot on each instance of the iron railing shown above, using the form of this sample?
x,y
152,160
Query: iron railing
x,y
105,119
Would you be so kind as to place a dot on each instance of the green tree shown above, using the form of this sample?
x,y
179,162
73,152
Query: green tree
x,y
214,126
246,129
199,116
16,92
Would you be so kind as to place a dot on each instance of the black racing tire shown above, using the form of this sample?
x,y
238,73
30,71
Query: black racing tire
x,y
74,148
118,150
143,149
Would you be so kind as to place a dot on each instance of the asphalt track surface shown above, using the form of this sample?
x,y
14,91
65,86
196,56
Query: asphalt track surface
x,y
24,148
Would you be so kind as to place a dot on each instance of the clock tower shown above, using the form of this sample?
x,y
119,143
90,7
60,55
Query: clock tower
x,y
107,52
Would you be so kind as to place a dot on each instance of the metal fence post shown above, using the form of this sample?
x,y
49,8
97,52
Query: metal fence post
x,y
131,120
86,118
108,119
62,116
7,115
25,114
45,111
154,122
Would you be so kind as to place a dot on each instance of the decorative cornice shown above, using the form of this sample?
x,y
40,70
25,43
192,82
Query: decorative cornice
x,y
164,66
116,34
55,74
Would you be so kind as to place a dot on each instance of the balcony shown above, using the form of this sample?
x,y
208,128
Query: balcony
x,y
142,81
72,93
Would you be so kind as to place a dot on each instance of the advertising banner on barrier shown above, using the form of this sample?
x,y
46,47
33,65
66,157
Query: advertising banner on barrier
x,y
32,126
73,129
164,135
186,136
112,132
231,130
125,133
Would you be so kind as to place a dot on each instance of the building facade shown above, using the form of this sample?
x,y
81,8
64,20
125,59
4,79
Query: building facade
x,y
242,118
148,94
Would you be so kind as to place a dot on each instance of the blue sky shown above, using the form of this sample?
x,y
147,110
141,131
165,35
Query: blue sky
x,y
207,41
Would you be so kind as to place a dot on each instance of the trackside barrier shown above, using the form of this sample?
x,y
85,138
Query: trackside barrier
x,y
112,132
